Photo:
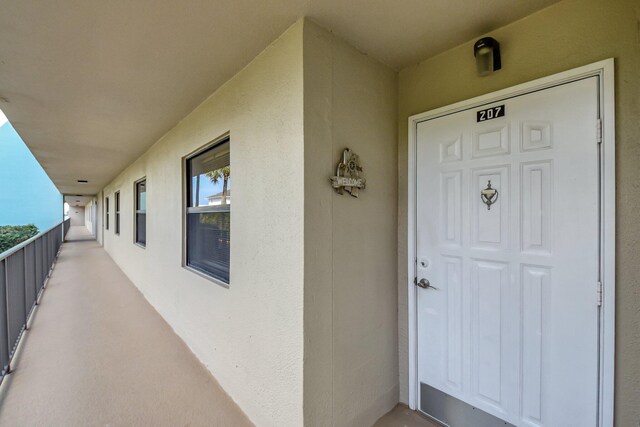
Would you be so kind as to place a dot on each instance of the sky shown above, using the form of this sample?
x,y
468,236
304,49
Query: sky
x,y
20,174
3,118
207,188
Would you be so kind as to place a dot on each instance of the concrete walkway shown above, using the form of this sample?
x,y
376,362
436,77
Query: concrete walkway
x,y
402,416
97,354
77,233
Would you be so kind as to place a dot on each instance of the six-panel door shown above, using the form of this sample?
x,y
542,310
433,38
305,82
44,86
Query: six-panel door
x,y
512,328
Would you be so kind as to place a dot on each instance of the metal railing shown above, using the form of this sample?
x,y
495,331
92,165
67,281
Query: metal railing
x,y
66,224
24,271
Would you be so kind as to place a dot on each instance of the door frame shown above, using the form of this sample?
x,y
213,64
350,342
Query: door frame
x,y
604,70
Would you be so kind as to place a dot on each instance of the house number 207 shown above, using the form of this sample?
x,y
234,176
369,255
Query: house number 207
x,y
490,113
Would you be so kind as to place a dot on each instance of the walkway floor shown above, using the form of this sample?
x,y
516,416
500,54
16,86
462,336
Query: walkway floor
x,y
97,354
402,416
78,232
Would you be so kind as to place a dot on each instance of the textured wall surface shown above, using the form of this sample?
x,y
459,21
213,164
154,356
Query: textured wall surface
x,y
27,195
350,309
250,335
89,209
569,34
77,215
100,218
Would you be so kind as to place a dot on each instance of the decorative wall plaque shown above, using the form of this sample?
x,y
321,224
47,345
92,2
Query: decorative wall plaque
x,y
348,174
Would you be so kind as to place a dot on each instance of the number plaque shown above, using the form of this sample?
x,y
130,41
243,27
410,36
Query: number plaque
x,y
490,113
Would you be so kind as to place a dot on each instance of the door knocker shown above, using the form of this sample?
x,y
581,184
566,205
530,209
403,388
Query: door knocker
x,y
489,195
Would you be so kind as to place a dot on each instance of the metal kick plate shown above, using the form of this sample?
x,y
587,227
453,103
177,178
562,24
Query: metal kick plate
x,y
451,412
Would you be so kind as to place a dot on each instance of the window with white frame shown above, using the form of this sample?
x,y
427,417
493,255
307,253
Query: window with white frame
x,y
117,225
106,213
208,211
141,212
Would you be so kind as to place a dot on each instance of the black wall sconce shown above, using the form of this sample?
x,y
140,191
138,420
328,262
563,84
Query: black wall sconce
x,y
487,53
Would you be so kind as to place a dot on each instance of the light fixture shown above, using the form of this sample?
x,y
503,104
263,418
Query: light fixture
x,y
83,181
487,53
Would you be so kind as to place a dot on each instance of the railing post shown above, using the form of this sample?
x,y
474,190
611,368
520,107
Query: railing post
x,y
43,260
48,239
4,321
24,287
35,274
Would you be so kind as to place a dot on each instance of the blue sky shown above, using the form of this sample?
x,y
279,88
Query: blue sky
x,y
27,195
207,188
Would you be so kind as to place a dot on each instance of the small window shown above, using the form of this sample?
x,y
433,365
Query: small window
x,y
208,211
141,212
106,213
117,228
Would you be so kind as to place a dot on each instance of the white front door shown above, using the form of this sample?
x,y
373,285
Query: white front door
x,y
510,324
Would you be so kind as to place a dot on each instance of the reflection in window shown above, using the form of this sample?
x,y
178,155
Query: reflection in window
x,y
209,211
141,212
117,196
106,213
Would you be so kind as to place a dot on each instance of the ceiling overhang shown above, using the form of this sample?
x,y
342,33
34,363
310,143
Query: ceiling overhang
x,y
91,85
77,200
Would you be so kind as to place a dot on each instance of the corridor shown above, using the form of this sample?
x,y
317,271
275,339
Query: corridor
x,y
97,353
78,233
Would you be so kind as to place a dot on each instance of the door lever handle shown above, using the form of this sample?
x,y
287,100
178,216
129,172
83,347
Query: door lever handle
x,y
425,284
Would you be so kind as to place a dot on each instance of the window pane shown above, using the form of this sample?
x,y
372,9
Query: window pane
x,y
141,228
209,211
141,217
141,190
210,177
208,243
117,225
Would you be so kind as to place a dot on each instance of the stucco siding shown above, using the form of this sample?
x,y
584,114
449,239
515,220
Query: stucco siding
x,y
77,215
351,375
567,35
249,335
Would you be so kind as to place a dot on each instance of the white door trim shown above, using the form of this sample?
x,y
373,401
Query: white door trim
x,y
605,71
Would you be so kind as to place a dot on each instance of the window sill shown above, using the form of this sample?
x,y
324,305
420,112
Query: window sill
x,y
206,276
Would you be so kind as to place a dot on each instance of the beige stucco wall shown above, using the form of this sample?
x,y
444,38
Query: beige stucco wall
x,y
100,217
76,214
350,308
564,36
88,215
249,336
